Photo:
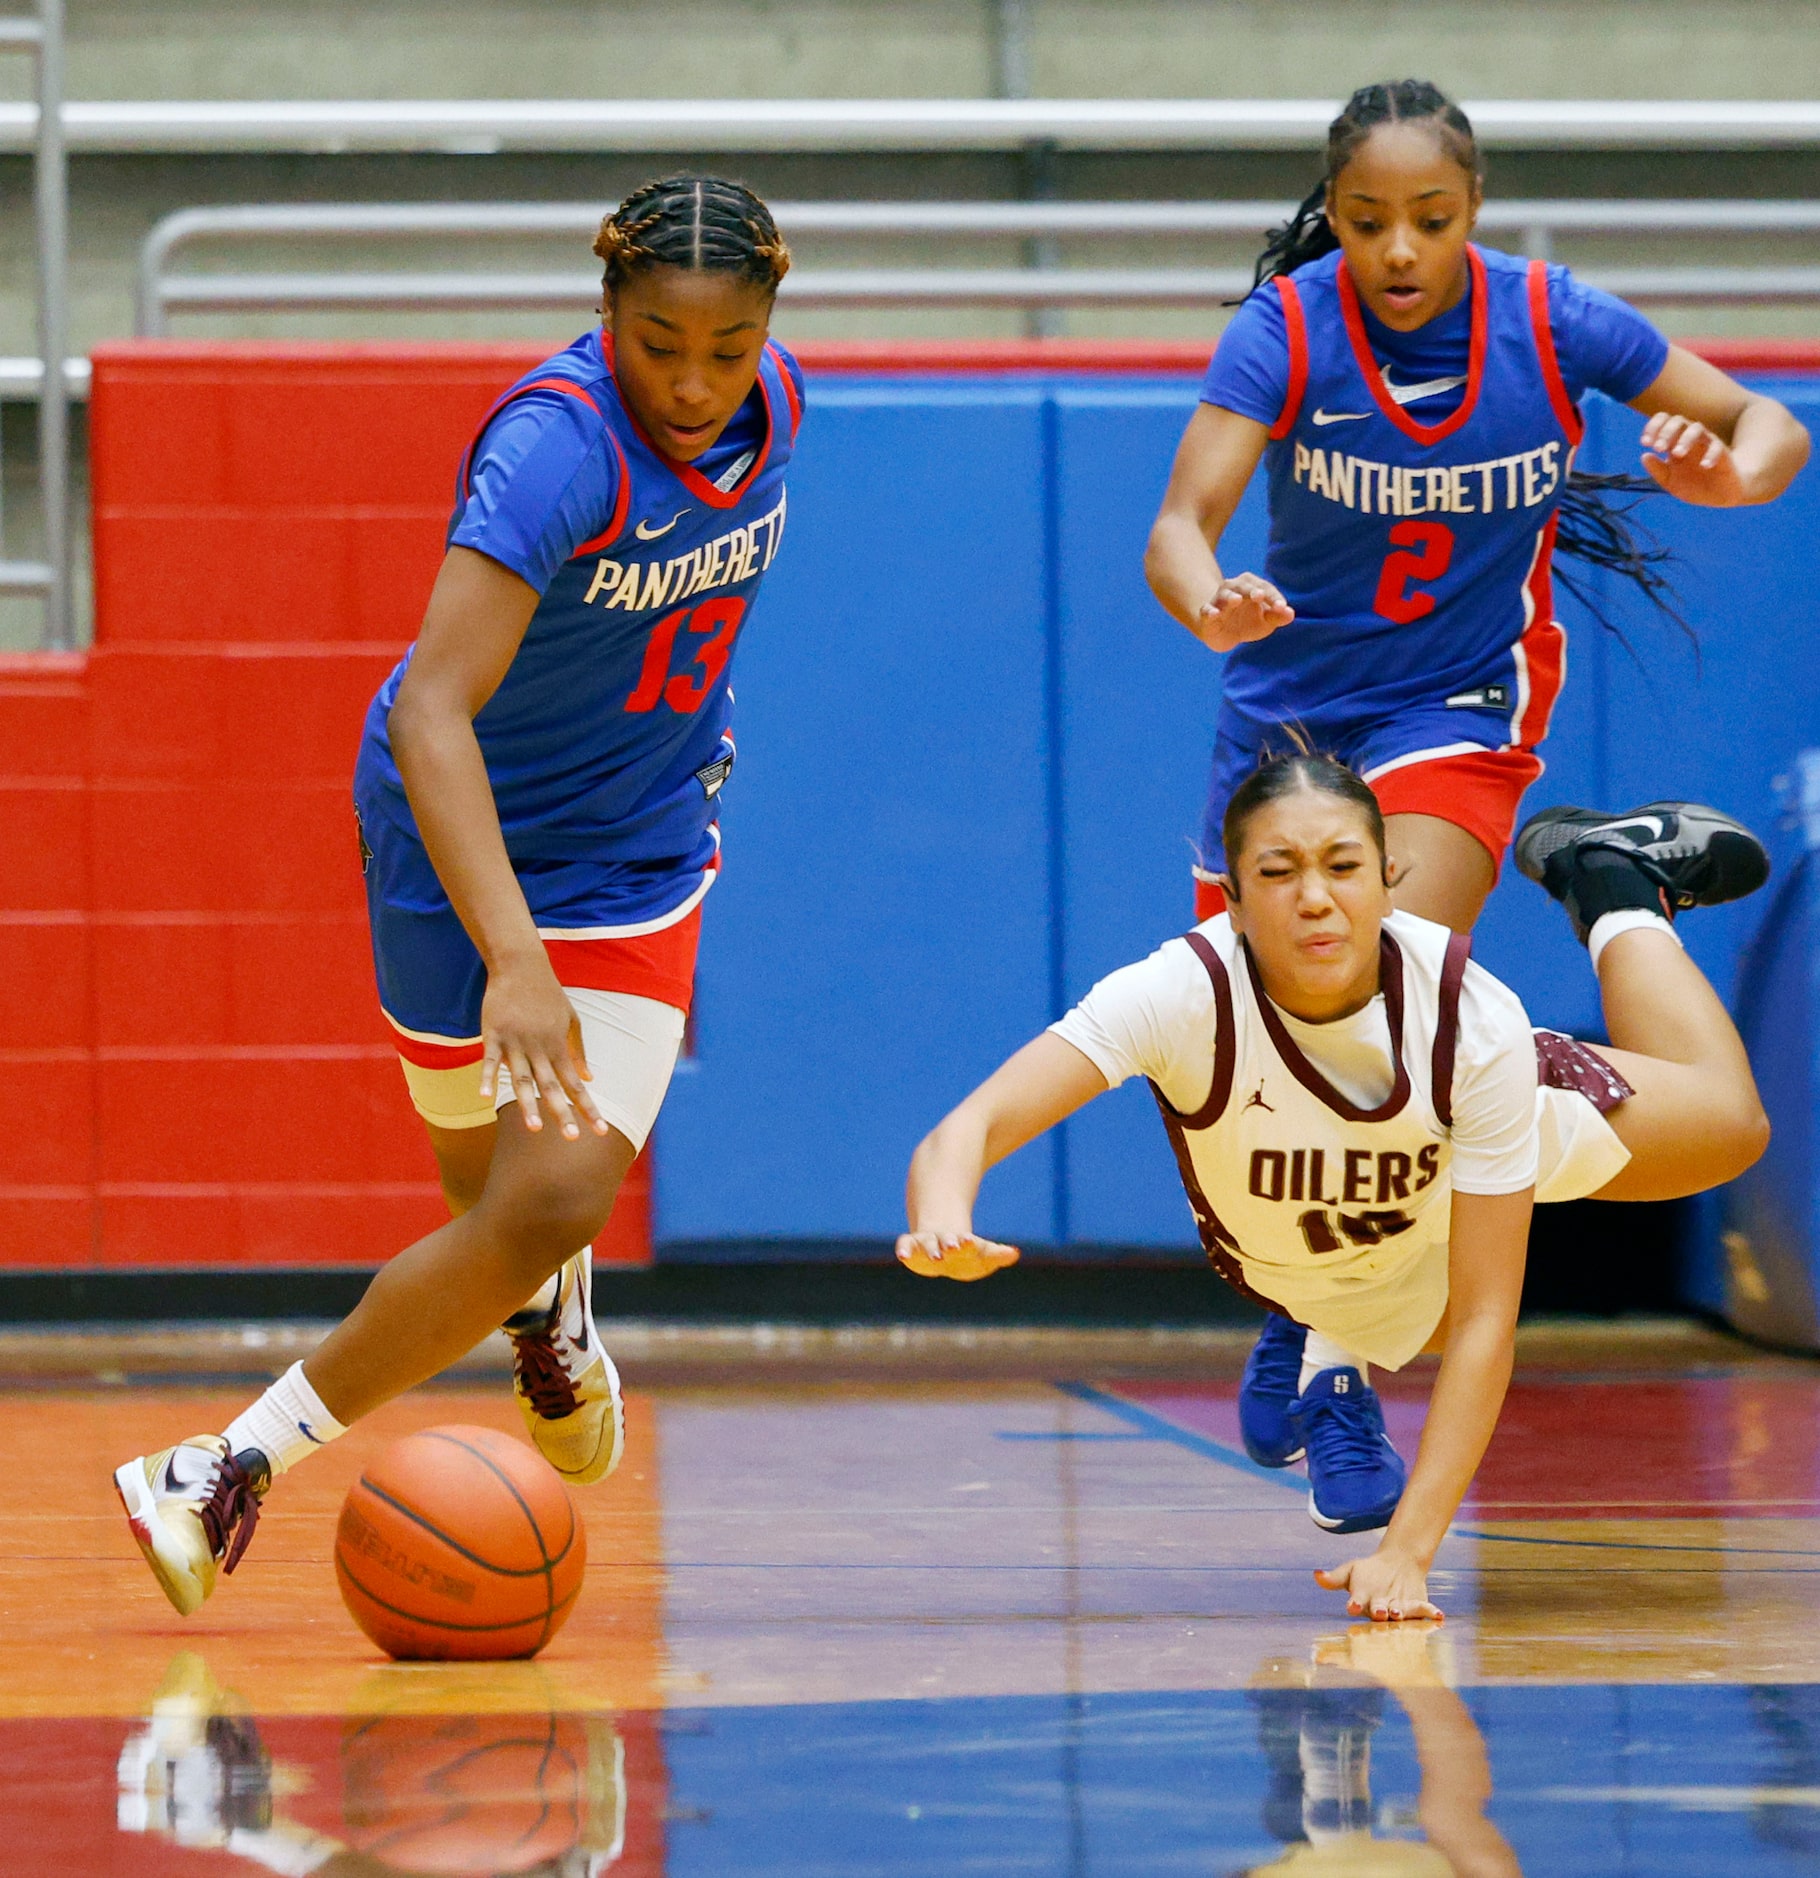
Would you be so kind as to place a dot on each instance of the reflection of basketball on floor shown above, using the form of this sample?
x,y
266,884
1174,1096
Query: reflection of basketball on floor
x,y
459,1542
466,1793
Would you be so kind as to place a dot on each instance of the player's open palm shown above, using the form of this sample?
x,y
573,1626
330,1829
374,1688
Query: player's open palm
x,y
530,1029
1382,1586
1692,462
963,1256
1244,608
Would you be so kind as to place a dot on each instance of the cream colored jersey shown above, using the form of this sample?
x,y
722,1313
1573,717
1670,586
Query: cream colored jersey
x,y
1321,1160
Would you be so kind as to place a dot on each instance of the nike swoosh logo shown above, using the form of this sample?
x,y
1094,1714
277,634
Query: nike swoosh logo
x,y
1340,417
645,532
1646,821
1428,388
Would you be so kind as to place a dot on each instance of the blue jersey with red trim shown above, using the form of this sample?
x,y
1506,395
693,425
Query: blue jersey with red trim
x,y
609,737
1416,555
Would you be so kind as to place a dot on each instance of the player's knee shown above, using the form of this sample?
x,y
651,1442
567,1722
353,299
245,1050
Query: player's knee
x,y
546,1218
1734,1133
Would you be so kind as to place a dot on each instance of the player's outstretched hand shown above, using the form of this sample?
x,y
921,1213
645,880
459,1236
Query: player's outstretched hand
x,y
1242,609
1383,1586
528,1024
964,1256
1691,462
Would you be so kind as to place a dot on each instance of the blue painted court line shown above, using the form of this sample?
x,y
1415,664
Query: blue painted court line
x,y
1635,1545
1066,1434
1159,1429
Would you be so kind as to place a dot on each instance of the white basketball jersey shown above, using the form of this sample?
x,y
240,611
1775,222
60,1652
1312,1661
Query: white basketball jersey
x,y
1334,1211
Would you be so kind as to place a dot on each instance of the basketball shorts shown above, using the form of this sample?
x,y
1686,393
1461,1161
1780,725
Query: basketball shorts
x,y
630,988
1415,766
1576,1089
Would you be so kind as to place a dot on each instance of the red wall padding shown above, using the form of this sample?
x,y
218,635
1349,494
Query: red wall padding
x,y
198,1065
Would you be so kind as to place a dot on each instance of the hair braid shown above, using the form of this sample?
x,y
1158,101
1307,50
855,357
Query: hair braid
x,y
701,223
1307,235
1593,529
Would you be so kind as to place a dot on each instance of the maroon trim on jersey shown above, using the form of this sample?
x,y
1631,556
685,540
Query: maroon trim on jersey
x,y
1295,327
789,384
1374,377
1225,1049
1217,1242
1567,1063
1447,1029
1567,412
686,473
1390,982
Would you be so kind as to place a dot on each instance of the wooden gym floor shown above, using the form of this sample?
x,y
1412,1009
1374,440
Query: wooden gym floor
x,y
963,1626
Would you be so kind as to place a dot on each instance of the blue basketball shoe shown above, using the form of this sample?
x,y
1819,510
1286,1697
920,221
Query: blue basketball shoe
x,y
1355,1477
1272,1381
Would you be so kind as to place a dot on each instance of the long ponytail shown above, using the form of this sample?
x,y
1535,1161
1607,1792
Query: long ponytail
x,y
1595,526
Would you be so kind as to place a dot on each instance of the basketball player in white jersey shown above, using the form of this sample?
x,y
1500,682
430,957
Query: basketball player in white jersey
x,y
1363,1117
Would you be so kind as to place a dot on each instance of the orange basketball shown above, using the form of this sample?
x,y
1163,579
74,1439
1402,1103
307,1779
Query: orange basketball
x,y
459,1542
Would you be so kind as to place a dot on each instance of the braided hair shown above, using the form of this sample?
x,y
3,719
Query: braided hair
x,y
1596,526
702,223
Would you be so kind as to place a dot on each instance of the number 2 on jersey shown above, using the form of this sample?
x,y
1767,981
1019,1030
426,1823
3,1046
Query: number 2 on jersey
x,y
1419,551
684,693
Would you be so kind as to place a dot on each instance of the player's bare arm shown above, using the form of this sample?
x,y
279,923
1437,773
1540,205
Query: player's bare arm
x,y
1216,458
1711,442
1488,1244
1043,1084
472,630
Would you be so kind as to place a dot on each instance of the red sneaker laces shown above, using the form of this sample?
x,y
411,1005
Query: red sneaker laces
x,y
230,1515
546,1383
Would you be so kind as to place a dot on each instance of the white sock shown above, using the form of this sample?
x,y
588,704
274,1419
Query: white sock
x,y
1631,919
1319,1353
285,1424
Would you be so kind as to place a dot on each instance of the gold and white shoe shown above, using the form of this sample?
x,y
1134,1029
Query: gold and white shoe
x,y
193,1509
567,1387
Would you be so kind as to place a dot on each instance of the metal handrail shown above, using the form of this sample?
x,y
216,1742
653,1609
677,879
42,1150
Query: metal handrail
x,y
41,38
833,124
1536,222
947,287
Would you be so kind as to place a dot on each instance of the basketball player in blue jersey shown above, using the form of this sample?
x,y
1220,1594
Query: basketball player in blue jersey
x,y
1415,401
537,793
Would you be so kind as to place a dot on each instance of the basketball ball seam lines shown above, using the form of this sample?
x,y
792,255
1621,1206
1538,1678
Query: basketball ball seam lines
x,y
444,1623
454,1545
511,1486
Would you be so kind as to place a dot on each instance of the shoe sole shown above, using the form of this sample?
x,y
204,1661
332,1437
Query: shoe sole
x,y
1583,821
1359,1522
151,1535
1270,1460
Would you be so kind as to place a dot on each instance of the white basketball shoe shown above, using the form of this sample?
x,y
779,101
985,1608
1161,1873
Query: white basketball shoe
x,y
192,1510
565,1381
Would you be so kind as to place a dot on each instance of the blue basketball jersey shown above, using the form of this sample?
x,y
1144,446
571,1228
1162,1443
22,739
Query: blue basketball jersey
x,y
1416,555
609,737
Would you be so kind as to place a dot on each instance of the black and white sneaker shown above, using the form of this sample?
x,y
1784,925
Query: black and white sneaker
x,y
1692,855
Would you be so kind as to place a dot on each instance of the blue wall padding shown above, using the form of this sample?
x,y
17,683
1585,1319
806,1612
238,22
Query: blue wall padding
x,y
879,938
1764,1277
973,754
